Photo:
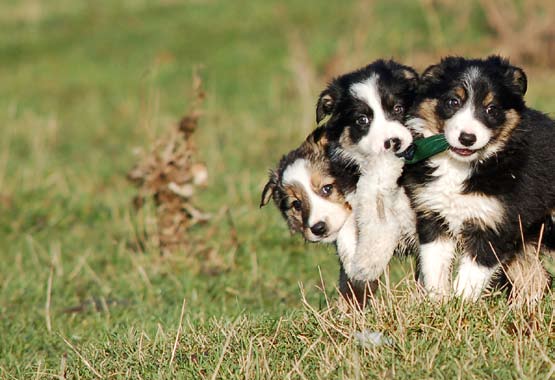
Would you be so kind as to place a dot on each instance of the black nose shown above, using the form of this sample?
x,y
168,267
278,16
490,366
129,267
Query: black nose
x,y
467,139
393,142
319,229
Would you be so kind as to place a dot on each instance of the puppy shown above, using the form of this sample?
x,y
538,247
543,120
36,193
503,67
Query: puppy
x,y
364,113
493,187
311,190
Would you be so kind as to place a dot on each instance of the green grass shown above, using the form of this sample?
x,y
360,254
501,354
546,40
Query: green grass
x,y
85,83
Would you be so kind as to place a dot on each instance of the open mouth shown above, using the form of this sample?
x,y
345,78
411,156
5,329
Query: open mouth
x,y
462,152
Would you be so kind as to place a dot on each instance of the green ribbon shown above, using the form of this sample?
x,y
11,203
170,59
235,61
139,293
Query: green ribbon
x,y
422,149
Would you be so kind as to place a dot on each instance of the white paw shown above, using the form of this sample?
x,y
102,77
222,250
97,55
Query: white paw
x,y
472,279
435,267
437,295
466,290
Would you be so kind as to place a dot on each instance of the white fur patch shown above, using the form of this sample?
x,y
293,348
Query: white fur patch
x,y
381,129
444,196
471,75
436,259
320,209
472,278
465,121
383,215
420,126
347,243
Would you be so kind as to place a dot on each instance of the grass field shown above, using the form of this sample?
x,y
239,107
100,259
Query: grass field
x,y
84,84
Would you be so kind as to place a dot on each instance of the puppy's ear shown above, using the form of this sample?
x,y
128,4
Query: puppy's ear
x,y
318,137
268,189
409,74
326,104
433,73
516,78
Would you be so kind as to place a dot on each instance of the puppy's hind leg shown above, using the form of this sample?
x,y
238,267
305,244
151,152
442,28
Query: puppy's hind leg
x,y
356,293
527,277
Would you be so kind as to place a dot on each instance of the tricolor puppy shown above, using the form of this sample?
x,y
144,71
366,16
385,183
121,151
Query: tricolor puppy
x,y
497,176
312,190
364,113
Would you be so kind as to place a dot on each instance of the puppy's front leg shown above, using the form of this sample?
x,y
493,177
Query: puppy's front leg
x,y
350,289
434,262
378,228
472,278
481,259
347,242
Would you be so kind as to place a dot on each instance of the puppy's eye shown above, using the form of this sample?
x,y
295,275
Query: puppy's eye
x,y
363,120
326,190
398,109
297,205
453,103
492,110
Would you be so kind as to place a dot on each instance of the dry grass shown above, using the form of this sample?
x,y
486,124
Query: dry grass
x,y
402,335
83,289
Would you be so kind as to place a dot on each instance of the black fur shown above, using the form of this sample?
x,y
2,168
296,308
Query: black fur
x,y
396,85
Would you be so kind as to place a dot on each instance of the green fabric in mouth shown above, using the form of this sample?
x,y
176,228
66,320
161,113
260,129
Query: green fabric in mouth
x,y
422,149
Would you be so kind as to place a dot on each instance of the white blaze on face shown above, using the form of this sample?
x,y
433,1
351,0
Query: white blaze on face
x,y
465,121
381,129
319,209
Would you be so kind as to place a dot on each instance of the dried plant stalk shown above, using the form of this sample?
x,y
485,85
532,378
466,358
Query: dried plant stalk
x,y
170,174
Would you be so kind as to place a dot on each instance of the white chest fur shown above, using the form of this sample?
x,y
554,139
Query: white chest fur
x,y
444,196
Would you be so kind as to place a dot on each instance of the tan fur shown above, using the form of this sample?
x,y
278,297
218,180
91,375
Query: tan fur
x,y
345,138
461,93
408,74
502,134
528,277
320,179
294,217
432,71
488,99
427,111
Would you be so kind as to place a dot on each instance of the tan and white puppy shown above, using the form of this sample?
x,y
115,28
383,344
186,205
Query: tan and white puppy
x,y
312,190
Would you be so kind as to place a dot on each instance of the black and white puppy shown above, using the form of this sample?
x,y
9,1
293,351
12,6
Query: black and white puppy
x,y
364,113
496,182
312,191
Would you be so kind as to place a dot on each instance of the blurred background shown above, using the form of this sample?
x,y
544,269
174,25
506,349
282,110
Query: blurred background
x,y
88,89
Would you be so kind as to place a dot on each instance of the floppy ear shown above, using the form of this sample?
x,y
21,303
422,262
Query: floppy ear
x,y
326,104
318,137
432,73
409,74
268,189
516,77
